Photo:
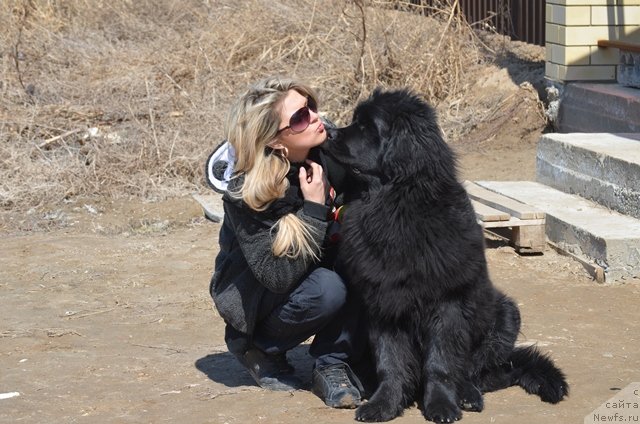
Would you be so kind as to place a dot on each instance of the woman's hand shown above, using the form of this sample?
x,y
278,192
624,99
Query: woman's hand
x,y
313,183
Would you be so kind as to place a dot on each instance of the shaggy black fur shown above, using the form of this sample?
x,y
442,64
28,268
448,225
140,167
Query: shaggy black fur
x,y
441,333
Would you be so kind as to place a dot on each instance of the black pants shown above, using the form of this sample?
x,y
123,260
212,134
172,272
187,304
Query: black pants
x,y
319,306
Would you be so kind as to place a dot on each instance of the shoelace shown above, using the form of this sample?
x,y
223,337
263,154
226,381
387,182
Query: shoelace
x,y
337,376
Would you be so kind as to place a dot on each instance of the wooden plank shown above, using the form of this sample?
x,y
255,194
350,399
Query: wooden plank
x,y
503,203
595,270
486,213
513,222
622,45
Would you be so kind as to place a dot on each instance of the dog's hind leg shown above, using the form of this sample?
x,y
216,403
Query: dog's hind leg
x,y
498,323
490,369
398,370
502,365
499,339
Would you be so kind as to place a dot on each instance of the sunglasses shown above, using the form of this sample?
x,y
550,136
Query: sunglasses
x,y
301,118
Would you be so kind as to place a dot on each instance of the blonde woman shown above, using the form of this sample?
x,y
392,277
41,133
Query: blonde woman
x,y
273,282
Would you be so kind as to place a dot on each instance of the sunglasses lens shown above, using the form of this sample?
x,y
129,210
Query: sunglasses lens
x,y
300,120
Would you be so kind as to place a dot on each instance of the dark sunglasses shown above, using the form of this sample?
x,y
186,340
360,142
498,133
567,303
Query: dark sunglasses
x,y
301,118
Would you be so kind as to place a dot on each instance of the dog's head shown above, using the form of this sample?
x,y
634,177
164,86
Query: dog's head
x,y
394,136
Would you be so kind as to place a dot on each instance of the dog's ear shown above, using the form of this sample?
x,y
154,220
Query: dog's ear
x,y
414,147
399,150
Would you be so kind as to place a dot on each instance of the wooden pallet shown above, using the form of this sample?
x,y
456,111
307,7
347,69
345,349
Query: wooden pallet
x,y
521,224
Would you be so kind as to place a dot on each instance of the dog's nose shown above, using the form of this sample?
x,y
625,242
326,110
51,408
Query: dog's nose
x,y
331,134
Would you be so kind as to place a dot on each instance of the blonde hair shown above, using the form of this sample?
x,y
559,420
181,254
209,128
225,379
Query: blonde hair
x,y
251,125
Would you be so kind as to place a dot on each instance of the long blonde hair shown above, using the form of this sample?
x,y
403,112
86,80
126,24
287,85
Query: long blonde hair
x,y
251,125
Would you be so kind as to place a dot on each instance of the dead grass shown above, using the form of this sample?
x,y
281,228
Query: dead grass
x,y
126,98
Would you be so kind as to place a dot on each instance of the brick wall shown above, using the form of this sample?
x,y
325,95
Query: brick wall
x,y
573,28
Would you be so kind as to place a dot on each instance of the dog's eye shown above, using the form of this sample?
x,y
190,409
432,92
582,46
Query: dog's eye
x,y
355,170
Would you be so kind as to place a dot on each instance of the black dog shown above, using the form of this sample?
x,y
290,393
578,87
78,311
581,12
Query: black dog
x,y
440,332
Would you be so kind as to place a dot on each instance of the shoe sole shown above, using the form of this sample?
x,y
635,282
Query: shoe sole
x,y
345,402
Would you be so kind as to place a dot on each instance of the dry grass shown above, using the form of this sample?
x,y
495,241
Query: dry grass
x,y
126,98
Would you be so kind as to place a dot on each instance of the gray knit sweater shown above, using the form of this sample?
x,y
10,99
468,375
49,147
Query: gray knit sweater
x,y
245,266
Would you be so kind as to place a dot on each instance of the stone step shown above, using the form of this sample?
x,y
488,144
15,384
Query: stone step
x,y
578,226
597,107
601,167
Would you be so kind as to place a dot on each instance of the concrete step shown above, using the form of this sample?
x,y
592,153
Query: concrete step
x,y
593,108
601,167
581,227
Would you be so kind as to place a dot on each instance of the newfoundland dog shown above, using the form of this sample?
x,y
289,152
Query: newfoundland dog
x,y
440,332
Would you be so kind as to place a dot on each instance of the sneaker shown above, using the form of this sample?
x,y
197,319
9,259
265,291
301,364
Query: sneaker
x,y
337,386
271,372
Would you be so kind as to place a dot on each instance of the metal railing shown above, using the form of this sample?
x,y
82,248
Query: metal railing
x,y
522,20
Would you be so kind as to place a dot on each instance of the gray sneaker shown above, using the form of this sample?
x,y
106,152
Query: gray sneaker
x,y
337,386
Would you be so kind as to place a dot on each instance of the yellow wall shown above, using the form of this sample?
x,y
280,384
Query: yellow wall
x,y
573,28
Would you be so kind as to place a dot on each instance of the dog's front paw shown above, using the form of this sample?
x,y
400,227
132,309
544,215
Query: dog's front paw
x,y
377,412
471,399
442,412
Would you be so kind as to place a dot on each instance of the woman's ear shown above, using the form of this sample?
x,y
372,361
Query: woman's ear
x,y
276,144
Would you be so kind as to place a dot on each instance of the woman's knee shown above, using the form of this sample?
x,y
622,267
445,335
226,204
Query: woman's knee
x,y
330,292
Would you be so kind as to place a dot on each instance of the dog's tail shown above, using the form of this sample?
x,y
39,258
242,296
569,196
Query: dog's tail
x,y
530,369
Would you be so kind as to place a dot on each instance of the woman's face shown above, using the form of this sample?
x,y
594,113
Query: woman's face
x,y
298,144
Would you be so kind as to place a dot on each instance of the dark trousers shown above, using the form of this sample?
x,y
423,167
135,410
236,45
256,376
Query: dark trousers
x,y
319,306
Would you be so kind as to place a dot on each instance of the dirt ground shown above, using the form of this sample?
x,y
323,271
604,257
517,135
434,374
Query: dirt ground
x,y
105,315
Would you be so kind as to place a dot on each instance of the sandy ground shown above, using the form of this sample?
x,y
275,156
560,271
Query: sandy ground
x,y
105,317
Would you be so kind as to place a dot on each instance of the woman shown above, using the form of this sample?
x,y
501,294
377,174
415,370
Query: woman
x,y
273,282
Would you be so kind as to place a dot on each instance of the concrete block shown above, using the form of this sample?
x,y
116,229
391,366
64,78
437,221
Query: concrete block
x,y
552,34
592,107
628,33
583,2
563,73
615,15
564,55
629,69
601,167
580,227
568,15
587,73
583,35
552,71
604,56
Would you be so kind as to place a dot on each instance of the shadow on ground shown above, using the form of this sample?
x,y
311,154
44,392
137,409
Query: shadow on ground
x,y
224,368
